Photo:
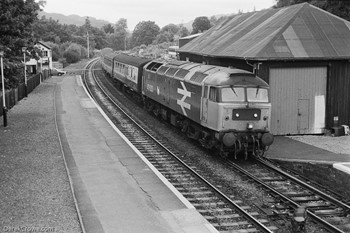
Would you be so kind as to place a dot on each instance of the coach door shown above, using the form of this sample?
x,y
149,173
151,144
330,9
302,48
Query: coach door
x,y
205,95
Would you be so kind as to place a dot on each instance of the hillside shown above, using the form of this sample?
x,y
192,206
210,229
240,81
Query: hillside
x,y
73,19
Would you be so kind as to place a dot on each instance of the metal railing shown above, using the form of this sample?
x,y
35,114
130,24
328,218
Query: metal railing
x,y
14,95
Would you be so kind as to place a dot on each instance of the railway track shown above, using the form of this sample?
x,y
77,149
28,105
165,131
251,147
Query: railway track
x,y
290,192
228,213
221,211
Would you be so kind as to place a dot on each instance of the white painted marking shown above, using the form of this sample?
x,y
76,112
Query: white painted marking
x,y
345,167
182,102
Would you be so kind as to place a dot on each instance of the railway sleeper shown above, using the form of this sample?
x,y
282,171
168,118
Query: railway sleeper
x,y
235,224
330,212
306,199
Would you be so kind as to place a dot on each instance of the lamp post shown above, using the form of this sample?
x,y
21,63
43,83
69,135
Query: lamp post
x,y
41,65
4,110
25,69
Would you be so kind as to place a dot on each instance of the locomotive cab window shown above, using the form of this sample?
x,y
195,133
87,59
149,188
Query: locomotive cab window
x,y
213,94
257,94
232,94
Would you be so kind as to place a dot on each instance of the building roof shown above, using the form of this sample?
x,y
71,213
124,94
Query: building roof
x,y
191,36
43,44
301,31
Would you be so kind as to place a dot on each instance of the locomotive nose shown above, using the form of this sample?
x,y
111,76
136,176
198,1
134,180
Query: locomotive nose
x,y
267,139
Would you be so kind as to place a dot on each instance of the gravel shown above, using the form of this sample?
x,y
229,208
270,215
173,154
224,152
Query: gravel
x,y
35,192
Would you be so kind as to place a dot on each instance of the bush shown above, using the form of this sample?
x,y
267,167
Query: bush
x,y
71,56
74,53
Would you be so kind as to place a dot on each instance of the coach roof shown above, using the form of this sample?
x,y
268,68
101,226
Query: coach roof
x,y
131,60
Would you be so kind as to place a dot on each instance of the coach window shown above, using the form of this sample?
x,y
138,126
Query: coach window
x,y
213,94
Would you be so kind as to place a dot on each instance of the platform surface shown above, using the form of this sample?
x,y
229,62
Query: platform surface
x,y
287,149
116,189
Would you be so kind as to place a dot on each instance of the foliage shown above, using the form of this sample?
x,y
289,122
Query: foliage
x,y
74,53
121,33
145,32
183,31
201,24
16,21
340,8
108,28
168,33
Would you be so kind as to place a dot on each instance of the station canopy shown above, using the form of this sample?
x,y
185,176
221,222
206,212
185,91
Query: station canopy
x,y
301,31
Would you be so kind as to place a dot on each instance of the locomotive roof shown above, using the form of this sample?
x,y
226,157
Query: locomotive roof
x,y
234,78
221,76
131,60
209,74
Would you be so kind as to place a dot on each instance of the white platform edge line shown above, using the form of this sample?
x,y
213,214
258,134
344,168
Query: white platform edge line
x,y
306,161
342,167
160,176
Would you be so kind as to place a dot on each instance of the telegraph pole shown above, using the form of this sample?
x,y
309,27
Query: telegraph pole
x,y
88,47
24,49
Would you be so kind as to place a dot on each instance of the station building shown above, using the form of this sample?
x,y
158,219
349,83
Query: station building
x,y
302,51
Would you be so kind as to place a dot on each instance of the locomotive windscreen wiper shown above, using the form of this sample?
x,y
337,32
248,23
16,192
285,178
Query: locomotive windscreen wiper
x,y
257,91
234,91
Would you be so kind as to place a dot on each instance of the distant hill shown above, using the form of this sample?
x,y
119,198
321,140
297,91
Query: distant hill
x,y
73,19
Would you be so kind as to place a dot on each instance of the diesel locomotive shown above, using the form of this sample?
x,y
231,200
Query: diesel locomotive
x,y
224,109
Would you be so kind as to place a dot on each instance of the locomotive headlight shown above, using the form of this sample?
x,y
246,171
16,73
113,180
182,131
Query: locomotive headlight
x,y
250,126
255,115
237,115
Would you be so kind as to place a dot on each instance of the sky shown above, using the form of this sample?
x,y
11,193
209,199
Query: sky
x,y
162,12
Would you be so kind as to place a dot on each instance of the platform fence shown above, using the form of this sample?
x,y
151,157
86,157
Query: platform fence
x,y
13,96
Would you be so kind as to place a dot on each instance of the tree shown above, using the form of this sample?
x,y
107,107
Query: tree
x,y
145,32
108,28
121,33
167,33
339,8
74,53
200,24
16,21
183,31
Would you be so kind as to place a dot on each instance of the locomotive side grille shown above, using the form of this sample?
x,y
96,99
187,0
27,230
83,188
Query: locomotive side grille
x,y
162,69
181,73
171,71
198,77
250,114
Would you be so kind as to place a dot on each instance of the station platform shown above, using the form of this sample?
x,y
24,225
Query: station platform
x,y
116,188
288,149
110,188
